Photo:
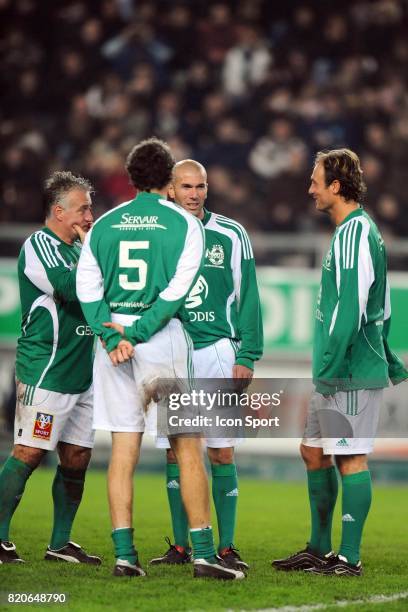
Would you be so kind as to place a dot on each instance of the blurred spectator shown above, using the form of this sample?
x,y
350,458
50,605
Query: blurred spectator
x,y
217,33
285,194
21,187
231,145
167,120
27,97
180,36
246,64
272,153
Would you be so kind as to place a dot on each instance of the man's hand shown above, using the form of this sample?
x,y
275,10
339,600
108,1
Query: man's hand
x,y
240,371
242,375
81,233
123,352
119,328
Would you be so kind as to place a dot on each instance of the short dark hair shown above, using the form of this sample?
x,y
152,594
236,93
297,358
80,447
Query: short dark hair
x,y
344,166
59,184
150,164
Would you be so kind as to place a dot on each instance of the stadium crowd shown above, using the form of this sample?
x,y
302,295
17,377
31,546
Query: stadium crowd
x,y
250,88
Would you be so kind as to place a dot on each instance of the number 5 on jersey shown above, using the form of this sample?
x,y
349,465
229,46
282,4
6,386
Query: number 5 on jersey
x,y
125,261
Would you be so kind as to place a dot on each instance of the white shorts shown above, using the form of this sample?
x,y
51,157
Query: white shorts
x,y
343,424
123,393
214,361
44,418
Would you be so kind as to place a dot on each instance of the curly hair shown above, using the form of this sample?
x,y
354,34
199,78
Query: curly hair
x,y
59,184
344,166
150,164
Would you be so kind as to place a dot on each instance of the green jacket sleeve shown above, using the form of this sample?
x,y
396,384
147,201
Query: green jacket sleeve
x,y
47,270
249,316
97,313
396,368
90,290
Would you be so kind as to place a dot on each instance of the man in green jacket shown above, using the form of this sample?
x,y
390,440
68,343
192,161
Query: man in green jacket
x,y
225,325
53,369
352,364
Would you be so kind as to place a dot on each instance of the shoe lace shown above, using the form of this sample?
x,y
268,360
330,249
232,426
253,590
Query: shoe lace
x,y
170,545
232,551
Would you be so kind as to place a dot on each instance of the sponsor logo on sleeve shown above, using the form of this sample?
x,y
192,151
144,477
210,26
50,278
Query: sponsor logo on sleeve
x,y
327,260
43,425
319,314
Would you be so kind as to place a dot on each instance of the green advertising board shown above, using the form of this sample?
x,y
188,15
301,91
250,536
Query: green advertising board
x,y
288,296
288,299
9,302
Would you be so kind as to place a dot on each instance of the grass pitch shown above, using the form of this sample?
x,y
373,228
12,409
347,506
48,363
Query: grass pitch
x,y
272,522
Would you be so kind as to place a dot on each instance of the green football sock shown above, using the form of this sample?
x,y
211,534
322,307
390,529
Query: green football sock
x,y
323,487
13,478
67,490
225,495
355,507
202,541
178,514
123,542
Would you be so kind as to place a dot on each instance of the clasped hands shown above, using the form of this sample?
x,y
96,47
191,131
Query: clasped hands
x,y
125,349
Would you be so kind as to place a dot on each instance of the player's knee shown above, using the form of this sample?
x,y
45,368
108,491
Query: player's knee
x,y
28,455
74,457
184,445
189,454
220,456
171,456
313,457
305,453
351,464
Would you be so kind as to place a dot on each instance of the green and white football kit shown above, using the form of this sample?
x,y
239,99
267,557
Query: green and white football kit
x,y
138,264
352,361
54,351
225,325
225,320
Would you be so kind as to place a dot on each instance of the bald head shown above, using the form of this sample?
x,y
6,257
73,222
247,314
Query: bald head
x,y
189,166
189,186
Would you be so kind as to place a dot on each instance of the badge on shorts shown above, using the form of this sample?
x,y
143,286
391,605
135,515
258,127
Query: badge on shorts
x,y
43,425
